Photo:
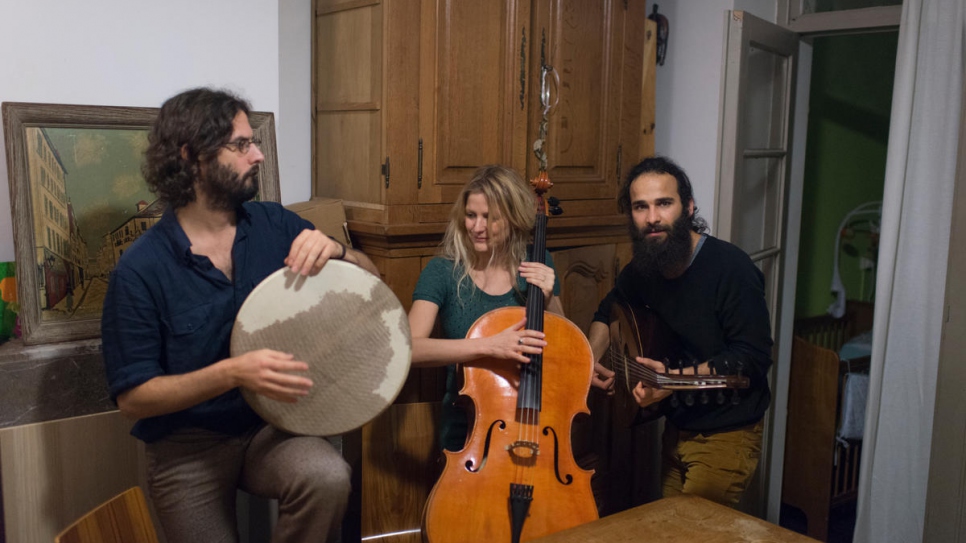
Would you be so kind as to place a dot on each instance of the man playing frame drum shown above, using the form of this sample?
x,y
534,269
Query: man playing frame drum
x,y
168,316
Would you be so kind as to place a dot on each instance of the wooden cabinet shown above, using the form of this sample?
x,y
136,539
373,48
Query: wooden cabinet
x,y
411,96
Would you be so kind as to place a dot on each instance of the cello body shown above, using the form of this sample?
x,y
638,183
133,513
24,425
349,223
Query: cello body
x,y
471,501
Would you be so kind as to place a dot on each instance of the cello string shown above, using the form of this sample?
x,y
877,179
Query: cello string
x,y
536,308
535,312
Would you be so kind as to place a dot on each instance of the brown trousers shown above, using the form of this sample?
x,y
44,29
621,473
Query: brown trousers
x,y
716,467
193,476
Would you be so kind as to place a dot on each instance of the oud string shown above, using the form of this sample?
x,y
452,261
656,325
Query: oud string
x,y
645,374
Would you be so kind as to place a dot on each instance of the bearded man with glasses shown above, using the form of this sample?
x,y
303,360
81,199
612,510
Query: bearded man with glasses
x,y
168,314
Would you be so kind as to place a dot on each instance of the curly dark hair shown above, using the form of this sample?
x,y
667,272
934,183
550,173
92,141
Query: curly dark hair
x,y
660,164
198,120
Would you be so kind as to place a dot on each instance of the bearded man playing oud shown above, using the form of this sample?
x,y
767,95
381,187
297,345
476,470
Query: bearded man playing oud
x,y
711,295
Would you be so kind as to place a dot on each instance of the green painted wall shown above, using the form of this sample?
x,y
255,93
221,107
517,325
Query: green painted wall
x,y
845,156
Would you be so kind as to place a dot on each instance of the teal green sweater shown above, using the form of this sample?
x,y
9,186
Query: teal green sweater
x,y
437,285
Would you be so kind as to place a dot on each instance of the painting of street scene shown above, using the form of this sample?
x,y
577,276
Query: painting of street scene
x,y
89,204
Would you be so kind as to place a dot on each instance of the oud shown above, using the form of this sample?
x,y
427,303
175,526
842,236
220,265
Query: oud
x,y
639,331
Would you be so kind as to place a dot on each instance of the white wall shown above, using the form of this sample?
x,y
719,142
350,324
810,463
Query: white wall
x,y
688,102
123,53
688,92
293,120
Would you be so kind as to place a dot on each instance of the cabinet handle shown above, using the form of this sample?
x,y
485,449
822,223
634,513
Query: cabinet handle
x,y
419,171
385,171
545,88
523,67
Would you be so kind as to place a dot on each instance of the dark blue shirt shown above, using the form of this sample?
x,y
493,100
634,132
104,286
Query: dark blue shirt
x,y
168,311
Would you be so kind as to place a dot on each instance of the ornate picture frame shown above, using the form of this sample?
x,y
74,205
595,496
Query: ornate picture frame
x,y
78,200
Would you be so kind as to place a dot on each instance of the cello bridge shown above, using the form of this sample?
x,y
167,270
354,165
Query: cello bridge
x,y
523,449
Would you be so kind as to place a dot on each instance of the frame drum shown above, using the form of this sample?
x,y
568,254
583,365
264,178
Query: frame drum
x,y
351,330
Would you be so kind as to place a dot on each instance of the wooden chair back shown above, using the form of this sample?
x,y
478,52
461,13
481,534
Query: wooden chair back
x,y
122,519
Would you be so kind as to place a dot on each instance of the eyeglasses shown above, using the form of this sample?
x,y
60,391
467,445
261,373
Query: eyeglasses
x,y
242,145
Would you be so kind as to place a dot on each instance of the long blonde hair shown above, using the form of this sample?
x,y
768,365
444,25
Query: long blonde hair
x,y
508,195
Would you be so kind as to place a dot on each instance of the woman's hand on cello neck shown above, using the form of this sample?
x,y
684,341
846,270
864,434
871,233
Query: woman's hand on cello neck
x,y
541,276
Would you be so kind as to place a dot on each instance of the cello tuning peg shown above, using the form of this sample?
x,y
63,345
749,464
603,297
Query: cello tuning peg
x,y
553,201
556,210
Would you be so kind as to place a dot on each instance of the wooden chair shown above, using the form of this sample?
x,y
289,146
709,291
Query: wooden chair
x,y
122,519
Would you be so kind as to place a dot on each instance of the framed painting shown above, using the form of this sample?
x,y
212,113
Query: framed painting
x,y
78,200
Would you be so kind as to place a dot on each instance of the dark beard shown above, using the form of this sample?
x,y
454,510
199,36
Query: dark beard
x,y
226,189
668,257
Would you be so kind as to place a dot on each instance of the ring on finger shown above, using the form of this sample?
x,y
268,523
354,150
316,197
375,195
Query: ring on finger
x,y
520,341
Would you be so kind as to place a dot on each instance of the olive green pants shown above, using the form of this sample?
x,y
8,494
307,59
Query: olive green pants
x,y
716,467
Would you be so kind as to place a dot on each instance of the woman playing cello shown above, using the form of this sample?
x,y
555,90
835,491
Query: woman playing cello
x,y
513,478
482,266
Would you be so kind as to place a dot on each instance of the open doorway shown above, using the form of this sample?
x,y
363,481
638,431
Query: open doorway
x,y
848,126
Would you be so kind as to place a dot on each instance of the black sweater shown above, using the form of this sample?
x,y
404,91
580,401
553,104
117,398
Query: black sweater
x,y
717,308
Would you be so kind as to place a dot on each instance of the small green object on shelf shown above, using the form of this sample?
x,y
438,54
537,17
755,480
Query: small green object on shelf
x,y
8,300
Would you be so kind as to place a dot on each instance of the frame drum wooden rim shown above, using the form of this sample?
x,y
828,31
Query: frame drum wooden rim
x,y
351,330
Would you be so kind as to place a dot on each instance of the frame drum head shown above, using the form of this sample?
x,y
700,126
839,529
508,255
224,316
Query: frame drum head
x,y
351,330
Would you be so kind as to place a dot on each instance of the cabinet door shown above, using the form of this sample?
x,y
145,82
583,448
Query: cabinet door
x,y
586,275
472,96
348,82
595,48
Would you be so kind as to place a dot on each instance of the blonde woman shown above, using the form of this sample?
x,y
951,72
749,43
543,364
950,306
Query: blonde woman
x,y
483,265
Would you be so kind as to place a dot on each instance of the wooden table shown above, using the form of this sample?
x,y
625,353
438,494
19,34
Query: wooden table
x,y
681,519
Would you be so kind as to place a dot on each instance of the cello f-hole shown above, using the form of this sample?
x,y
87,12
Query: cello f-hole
x,y
567,479
486,446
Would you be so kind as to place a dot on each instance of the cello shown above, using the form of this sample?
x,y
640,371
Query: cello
x,y
516,478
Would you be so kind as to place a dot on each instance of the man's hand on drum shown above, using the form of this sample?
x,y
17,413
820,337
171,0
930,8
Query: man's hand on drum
x,y
516,342
272,374
645,395
311,250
